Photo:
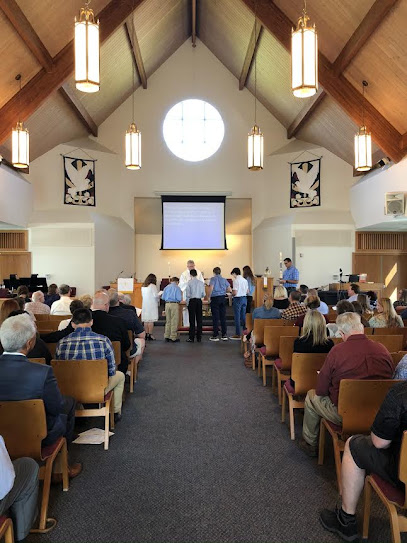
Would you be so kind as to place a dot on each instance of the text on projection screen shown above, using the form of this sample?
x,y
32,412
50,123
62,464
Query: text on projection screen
x,y
193,225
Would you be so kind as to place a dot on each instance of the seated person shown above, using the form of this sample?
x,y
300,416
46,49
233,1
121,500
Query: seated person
x,y
314,337
86,299
37,306
359,310
24,293
304,292
83,344
343,306
132,321
402,298
7,307
311,302
295,309
61,306
280,297
386,316
75,304
323,308
266,311
401,369
367,310
18,491
21,379
353,292
52,295
357,357
378,453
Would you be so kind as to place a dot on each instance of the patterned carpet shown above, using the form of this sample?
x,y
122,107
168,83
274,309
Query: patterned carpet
x,y
199,456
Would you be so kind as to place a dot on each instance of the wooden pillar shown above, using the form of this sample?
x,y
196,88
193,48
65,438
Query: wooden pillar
x,y
261,290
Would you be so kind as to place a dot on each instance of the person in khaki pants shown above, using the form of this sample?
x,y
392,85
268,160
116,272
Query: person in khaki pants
x,y
172,296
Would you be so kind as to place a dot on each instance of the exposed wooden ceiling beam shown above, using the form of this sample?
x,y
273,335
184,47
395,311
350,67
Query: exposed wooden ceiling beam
x,y
338,87
42,85
367,27
370,23
251,49
193,23
78,108
23,27
136,53
404,141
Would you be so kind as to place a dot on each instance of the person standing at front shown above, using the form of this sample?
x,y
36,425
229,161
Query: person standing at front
x,y
151,300
291,276
239,292
195,291
218,287
172,297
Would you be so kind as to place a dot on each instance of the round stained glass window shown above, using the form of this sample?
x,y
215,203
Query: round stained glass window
x,y
193,130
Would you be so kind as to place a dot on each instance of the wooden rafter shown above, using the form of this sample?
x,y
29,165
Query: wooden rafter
x,y
42,85
136,53
193,33
338,87
251,49
23,27
305,113
78,108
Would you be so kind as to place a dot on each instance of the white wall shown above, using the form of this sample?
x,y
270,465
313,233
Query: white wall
x,y
16,197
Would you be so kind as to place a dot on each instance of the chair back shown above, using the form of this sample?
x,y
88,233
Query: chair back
x,y
117,352
369,331
397,357
131,338
395,331
258,328
285,351
44,326
59,318
392,343
403,464
272,336
52,347
37,360
304,370
249,322
84,380
332,316
41,317
23,427
336,340
359,402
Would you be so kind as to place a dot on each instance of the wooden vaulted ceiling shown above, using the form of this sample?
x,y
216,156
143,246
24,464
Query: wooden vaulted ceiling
x,y
363,39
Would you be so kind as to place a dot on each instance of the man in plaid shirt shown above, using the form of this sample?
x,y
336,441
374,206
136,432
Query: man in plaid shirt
x,y
295,309
83,344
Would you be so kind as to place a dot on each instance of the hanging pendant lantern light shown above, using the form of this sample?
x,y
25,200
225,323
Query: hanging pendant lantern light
x,y
133,135
363,143
20,143
304,57
87,65
255,140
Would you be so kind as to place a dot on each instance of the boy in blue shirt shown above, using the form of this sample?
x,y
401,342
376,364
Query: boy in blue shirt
x,y
172,296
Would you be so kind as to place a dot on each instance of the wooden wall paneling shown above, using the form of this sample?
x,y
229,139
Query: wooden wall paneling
x,y
390,265
368,263
13,240
18,263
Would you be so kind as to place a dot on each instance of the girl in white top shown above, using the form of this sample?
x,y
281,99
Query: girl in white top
x,y
151,300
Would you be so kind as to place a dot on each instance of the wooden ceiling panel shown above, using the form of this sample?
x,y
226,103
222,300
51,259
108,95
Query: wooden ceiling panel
x,y
331,128
273,79
335,20
54,21
383,63
225,27
15,58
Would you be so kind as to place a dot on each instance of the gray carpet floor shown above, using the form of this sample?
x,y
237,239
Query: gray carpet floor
x,y
199,456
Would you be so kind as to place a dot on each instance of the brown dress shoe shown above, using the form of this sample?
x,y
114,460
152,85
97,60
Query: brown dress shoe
x,y
73,471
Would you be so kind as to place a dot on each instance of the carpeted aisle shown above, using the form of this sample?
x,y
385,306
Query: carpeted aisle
x,y
199,456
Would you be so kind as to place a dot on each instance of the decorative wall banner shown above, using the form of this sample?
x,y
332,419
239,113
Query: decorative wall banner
x,y
305,184
79,182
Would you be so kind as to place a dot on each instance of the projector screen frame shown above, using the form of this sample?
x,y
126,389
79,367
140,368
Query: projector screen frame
x,y
221,199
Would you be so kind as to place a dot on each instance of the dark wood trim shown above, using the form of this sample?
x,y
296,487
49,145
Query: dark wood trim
x,y
251,49
136,53
79,109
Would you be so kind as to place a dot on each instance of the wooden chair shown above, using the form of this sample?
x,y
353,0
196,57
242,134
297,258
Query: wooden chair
x,y
37,360
271,348
86,381
281,368
248,328
368,331
40,317
394,499
6,529
117,352
359,401
59,318
23,426
258,333
392,332
52,347
392,343
397,357
304,373
45,326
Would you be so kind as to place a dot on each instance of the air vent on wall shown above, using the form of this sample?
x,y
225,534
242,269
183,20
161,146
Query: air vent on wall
x,y
394,204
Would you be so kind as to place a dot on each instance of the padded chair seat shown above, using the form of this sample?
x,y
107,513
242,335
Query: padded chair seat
x,y
289,387
108,396
3,519
48,450
278,363
334,427
263,350
393,494
246,331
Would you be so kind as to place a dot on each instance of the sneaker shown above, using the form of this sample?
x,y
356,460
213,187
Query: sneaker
x,y
167,339
189,340
225,338
199,339
214,338
175,340
235,337
331,521
310,450
117,417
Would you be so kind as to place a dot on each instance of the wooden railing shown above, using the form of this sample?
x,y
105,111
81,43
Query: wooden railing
x,y
382,242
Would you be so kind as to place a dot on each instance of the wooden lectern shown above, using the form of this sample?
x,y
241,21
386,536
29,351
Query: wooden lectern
x,y
261,290
135,296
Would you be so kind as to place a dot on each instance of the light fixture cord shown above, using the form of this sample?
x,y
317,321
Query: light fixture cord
x,y
255,64
134,67
363,104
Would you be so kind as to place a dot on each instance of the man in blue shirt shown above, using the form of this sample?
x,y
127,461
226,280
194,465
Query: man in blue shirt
x,y
172,295
83,344
218,287
291,276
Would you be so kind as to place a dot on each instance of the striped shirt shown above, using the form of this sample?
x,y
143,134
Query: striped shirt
x,y
83,344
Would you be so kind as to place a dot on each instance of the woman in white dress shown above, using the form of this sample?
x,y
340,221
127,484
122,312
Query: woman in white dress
x,y
151,299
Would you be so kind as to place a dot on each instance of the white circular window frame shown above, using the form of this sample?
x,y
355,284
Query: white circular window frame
x,y
193,130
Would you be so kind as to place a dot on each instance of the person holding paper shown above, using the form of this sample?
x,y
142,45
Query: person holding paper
x,y
151,299
184,279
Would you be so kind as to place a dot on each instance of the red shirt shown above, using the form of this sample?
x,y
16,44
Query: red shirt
x,y
356,358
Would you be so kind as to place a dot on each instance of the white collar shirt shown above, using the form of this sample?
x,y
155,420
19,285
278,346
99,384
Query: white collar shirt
x,y
241,286
7,474
61,306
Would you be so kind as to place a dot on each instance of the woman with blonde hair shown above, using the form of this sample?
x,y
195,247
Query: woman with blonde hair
x,y
87,300
149,308
7,307
281,297
386,316
314,338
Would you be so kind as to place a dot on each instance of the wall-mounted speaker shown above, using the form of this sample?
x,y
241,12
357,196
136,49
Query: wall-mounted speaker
x,y
394,203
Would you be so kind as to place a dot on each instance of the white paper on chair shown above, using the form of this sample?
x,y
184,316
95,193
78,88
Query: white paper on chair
x,y
125,284
94,436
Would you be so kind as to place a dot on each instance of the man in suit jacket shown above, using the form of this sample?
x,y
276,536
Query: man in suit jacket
x,y
112,327
21,379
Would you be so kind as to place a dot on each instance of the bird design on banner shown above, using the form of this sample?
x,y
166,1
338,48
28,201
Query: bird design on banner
x,y
305,184
79,181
